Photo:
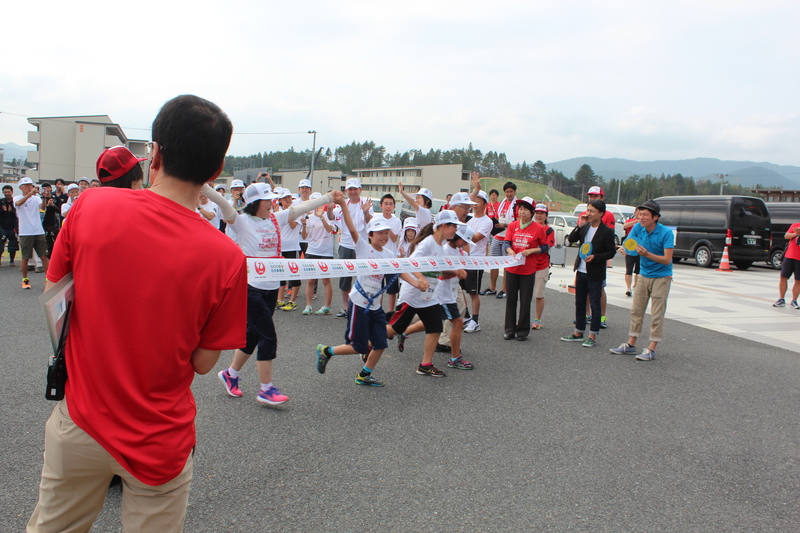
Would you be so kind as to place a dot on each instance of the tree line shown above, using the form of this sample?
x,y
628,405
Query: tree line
x,y
632,191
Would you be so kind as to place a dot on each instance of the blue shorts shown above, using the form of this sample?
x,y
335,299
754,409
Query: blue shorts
x,y
365,326
450,311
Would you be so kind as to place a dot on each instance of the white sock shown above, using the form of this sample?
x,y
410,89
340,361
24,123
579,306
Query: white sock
x,y
266,386
233,373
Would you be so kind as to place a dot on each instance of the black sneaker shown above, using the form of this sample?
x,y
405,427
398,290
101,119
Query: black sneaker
x,y
501,294
322,359
401,342
443,348
430,370
487,291
368,380
341,314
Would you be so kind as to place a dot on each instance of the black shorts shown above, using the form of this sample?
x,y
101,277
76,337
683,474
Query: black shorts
x,y
345,284
431,318
473,282
291,255
632,264
789,267
394,286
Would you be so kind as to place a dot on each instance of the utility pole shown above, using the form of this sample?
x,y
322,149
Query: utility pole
x,y
313,153
619,190
721,182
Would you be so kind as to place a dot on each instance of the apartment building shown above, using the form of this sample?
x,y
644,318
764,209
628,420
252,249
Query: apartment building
x,y
440,179
68,147
322,180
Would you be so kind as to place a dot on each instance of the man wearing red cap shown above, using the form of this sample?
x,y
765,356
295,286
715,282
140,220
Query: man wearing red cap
x,y
118,167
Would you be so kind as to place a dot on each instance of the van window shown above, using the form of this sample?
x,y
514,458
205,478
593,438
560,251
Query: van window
x,y
706,216
670,215
750,212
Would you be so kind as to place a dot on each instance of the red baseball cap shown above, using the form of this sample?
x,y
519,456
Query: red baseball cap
x,y
115,162
595,190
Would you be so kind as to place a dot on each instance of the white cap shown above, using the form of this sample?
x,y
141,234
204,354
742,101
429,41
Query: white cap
x,y
527,200
378,224
258,191
315,195
25,181
283,193
72,187
424,192
482,194
410,222
218,187
542,207
352,183
461,198
296,196
84,179
446,217
466,233
237,183
304,183
595,190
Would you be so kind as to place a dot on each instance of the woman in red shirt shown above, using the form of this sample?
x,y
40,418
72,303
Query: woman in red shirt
x,y
526,237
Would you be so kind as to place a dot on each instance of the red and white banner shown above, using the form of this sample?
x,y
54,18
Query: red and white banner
x,y
259,269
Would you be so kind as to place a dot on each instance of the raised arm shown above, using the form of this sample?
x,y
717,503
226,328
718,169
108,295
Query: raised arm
x,y
407,197
348,220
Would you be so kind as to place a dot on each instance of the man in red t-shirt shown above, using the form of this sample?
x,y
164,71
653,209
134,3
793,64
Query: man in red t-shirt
x,y
790,266
141,327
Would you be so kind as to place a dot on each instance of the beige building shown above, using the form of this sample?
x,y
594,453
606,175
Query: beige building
x,y
68,147
322,180
440,179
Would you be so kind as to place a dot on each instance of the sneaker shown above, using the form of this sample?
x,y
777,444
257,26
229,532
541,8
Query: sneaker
x,y
401,342
290,306
39,270
272,396
624,349
279,304
572,338
780,303
472,327
487,292
26,283
537,324
231,384
341,314
588,343
794,305
322,359
443,348
603,322
509,336
368,380
628,293
460,363
324,310
430,370
501,294
646,355
308,310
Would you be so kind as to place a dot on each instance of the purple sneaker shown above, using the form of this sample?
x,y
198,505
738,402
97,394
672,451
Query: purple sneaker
x,y
231,384
272,396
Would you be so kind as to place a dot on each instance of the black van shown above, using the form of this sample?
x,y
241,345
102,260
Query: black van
x,y
704,222
783,215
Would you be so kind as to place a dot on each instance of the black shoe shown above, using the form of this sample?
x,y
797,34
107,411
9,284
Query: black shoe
x,y
341,314
443,348
509,336
522,338
501,294
401,341
487,291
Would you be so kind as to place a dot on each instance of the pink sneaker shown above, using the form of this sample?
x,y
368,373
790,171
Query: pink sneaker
x,y
272,396
231,384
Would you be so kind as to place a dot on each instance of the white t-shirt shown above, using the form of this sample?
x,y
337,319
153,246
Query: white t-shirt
x,y
320,240
424,217
412,295
66,207
30,223
482,225
369,284
357,214
290,237
396,227
447,290
259,237
213,208
588,238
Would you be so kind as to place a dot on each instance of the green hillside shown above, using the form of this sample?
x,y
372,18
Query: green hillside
x,y
534,190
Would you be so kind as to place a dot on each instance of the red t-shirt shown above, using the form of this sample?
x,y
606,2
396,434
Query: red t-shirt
x,y
793,250
491,209
153,281
543,260
521,239
608,218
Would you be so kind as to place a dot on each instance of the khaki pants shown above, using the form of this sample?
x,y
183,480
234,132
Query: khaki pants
x,y
75,478
461,301
656,290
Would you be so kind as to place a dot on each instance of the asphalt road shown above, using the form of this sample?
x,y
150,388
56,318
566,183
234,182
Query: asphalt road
x,y
541,436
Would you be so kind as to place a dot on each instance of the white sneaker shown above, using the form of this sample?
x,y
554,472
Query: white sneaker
x,y
472,327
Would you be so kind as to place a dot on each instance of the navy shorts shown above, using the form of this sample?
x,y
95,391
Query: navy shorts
x,y
394,286
291,255
790,266
365,326
431,318
345,284
450,311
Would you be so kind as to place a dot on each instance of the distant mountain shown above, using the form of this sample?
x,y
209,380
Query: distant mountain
x,y
746,173
15,151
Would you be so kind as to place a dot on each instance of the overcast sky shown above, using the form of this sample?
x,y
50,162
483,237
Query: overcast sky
x,y
537,80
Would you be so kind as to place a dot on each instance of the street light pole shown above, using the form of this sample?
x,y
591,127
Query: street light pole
x,y
313,153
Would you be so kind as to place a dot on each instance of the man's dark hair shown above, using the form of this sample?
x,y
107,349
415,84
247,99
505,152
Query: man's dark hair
x,y
509,185
46,184
388,197
598,204
494,191
193,135
59,180
127,180
8,187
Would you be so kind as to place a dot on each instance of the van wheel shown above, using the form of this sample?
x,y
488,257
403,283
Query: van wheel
x,y
743,265
776,259
703,257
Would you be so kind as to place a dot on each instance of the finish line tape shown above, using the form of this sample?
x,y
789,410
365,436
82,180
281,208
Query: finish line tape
x,y
276,269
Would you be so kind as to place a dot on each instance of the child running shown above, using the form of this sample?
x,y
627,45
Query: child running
x,y
417,289
366,321
258,234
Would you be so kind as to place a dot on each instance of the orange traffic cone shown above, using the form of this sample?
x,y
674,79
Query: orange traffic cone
x,y
725,262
